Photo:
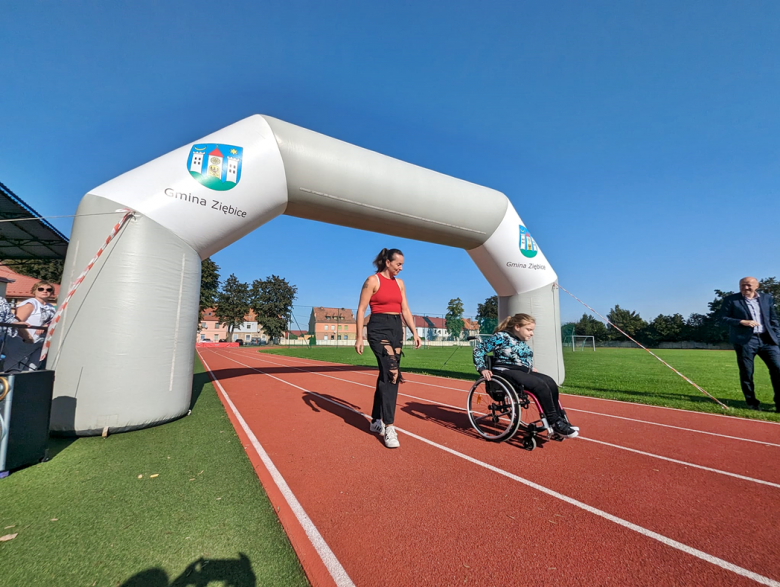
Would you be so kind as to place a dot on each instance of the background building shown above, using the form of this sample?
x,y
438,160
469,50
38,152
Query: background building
x,y
332,324
250,332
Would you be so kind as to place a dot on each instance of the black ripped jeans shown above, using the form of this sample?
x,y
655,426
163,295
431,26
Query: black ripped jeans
x,y
385,335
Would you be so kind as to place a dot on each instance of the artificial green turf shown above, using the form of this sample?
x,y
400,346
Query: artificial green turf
x,y
86,519
622,374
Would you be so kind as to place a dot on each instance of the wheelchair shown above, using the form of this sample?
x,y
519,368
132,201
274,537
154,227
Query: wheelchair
x,y
498,409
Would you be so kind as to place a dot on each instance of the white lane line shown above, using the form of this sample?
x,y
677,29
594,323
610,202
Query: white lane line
x,y
641,452
674,427
333,565
589,412
571,501
585,397
621,522
462,409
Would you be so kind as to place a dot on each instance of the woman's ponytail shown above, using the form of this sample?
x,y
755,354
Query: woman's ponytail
x,y
383,257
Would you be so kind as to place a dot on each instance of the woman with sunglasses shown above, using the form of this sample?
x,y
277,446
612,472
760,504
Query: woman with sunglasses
x,y
35,311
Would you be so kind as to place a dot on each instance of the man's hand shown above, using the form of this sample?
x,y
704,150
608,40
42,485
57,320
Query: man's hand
x,y
751,323
486,374
359,345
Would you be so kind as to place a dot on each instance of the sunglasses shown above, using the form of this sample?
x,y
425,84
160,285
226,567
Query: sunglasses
x,y
49,289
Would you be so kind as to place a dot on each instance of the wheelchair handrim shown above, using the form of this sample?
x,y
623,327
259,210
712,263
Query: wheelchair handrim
x,y
482,419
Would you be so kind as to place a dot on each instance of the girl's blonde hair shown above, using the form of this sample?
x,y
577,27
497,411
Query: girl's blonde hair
x,y
508,324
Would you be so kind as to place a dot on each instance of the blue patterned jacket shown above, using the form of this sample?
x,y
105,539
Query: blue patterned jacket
x,y
506,349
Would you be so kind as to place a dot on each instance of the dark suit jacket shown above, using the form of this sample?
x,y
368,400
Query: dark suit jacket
x,y
735,308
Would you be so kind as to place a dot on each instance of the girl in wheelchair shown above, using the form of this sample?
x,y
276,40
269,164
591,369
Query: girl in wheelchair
x,y
513,359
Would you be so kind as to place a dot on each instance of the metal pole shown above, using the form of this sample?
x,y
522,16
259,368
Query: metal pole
x,y
5,425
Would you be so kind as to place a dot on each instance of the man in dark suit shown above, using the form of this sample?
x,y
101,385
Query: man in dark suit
x,y
753,330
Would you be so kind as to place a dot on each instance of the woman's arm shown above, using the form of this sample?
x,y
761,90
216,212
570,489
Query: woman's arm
x,y
24,310
369,288
406,313
481,349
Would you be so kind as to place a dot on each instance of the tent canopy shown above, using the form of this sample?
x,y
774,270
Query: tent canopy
x,y
29,239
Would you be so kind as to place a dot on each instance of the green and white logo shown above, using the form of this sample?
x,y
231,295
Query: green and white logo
x,y
528,245
216,166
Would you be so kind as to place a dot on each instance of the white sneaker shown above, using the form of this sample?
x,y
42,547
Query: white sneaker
x,y
391,437
378,427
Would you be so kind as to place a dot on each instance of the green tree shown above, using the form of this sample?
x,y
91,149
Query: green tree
x,y
665,329
487,315
209,285
590,326
41,269
453,319
567,330
232,304
272,300
770,285
628,321
710,328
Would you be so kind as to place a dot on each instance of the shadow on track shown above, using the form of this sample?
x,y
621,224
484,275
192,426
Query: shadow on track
x,y
344,409
457,421
448,418
244,371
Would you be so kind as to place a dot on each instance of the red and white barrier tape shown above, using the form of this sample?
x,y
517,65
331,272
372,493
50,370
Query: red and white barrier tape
x,y
701,389
79,280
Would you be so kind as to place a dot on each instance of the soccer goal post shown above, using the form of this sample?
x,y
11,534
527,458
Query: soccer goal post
x,y
581,341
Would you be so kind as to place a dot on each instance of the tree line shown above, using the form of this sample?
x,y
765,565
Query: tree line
x,y
271,299
706,328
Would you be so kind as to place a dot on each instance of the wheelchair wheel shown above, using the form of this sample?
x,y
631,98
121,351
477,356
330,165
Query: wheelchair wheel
x,y
493,409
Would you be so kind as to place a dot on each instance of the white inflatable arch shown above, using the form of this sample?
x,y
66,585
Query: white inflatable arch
x,y
123,351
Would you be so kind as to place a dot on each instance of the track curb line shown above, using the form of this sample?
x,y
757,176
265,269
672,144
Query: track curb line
x,y
311,562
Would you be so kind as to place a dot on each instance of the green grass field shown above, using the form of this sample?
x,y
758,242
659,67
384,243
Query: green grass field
x,y
85,518
622,374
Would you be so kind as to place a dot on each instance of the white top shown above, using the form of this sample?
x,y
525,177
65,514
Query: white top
x,y
40,316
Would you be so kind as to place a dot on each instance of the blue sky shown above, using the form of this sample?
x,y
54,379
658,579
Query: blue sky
x,y
639,141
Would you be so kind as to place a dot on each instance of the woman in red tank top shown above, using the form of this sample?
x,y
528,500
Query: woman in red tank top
x,y
386,295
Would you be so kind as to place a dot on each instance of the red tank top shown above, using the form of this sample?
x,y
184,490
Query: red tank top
x,y
387,299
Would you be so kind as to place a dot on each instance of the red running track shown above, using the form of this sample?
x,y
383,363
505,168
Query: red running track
x,y
647,496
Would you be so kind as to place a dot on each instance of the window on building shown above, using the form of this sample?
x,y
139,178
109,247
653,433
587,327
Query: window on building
x,y
248,337
204,325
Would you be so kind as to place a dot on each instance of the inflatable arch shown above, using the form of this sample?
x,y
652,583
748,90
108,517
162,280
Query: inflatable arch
x,y
198,199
